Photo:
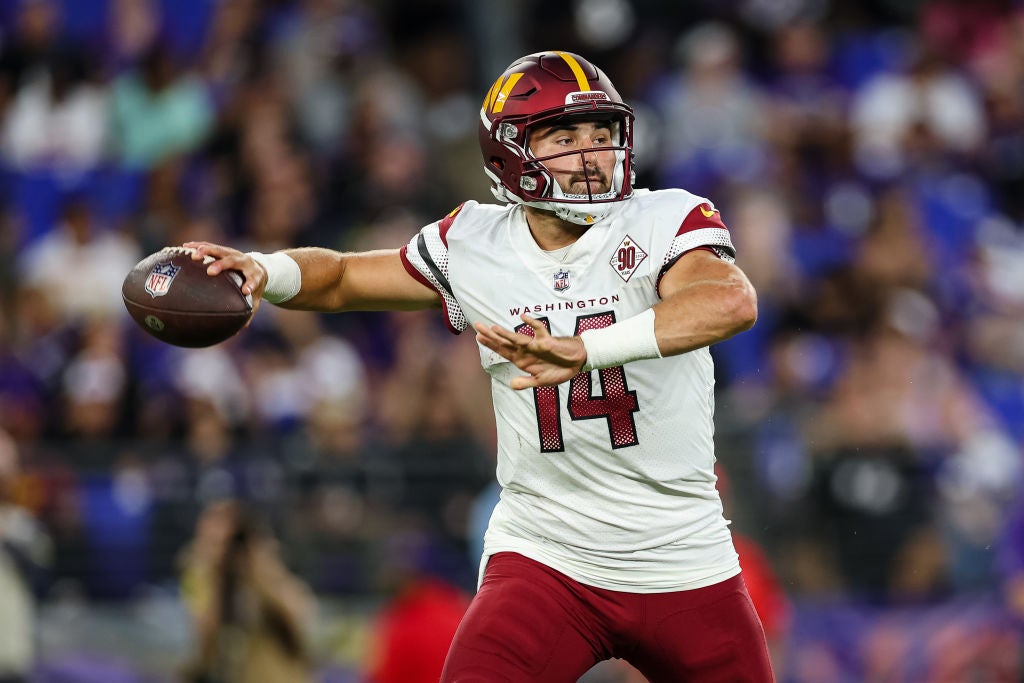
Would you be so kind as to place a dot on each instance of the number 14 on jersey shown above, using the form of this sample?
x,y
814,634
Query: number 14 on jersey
x,y
616,404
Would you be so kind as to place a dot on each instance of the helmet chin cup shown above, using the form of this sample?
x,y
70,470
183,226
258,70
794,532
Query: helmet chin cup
x,y
536,90
580,214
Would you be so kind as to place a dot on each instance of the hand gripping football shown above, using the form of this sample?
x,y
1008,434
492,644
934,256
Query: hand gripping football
x,y
172,298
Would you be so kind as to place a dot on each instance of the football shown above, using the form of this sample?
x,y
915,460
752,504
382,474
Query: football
x,y
172,298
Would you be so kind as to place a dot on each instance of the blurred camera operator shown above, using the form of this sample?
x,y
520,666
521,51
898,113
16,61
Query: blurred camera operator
x,y
250,612
25,554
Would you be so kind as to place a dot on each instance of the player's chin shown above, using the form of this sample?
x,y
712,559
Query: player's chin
x,y
593,187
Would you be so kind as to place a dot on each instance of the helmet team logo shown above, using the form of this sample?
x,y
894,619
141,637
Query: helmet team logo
x,y
159,281
627,258
562,281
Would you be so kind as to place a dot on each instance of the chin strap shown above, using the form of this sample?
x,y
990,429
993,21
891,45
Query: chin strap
x,y
578,213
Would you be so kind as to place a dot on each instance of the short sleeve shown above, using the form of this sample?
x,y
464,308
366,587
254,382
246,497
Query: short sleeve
x,y
702,227
425,257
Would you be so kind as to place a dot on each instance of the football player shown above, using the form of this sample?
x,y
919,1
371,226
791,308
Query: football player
x,y
594,304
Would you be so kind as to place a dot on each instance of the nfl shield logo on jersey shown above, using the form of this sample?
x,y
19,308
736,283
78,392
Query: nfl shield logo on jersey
x,y
561,281
159,281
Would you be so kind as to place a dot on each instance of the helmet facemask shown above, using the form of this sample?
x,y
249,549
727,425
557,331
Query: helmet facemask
x,y
537,185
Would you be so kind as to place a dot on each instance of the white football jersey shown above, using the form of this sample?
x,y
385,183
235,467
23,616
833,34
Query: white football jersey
x,y
608,478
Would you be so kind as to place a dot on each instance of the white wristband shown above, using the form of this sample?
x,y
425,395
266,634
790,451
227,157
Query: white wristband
x,y
284,278
626,341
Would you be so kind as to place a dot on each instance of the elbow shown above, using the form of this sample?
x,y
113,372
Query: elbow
x,y
742,306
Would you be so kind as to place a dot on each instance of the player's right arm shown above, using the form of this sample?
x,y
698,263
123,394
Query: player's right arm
x,y
331,280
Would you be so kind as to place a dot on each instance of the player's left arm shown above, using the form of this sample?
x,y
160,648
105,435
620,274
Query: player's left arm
x,y
705,299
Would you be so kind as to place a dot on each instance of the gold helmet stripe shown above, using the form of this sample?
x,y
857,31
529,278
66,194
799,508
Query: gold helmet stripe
x,y
499,100
492,93
577,70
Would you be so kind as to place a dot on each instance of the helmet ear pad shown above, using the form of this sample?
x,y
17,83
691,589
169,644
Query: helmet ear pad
x,y
540,89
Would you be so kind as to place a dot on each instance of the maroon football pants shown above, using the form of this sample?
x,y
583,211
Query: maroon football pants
x,y
531,624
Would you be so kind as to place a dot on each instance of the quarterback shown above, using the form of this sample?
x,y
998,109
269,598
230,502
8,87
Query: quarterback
x,y
593,304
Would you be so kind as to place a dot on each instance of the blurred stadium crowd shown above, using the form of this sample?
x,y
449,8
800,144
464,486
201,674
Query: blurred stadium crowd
x,y
867,156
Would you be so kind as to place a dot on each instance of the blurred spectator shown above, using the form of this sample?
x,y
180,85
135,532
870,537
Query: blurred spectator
x,y
991,328
296,370
443,467
251,614
321,52
282,201
115,507
436,53
976,485
1002,74
328,371
165,210
159,110
221,467
1011,561
79,265
58,119
895,251
807,101
31,42
42,344
415,628
212,379
22,390
228,55
133,29
25,554
897,116
95,384
335,517
713,129
895,412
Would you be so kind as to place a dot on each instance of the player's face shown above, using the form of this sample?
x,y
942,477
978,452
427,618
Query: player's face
x,y
588,171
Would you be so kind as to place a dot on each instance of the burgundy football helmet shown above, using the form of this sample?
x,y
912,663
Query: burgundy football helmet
x,y
535,90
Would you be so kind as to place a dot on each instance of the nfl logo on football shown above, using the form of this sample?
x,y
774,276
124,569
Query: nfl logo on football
x,y
561,281
159,280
